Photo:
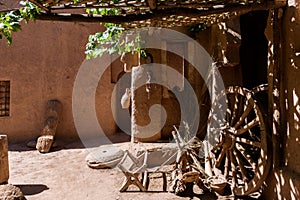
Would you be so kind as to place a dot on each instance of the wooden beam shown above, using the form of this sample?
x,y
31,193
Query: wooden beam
x,y
8,10
39,5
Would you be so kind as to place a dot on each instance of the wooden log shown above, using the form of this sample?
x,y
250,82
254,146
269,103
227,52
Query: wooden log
x,y
177,185
53,113
54,108
50,126
4,169
190,177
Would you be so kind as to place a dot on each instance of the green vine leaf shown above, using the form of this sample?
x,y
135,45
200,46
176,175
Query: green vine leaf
x,y
10,21
112,40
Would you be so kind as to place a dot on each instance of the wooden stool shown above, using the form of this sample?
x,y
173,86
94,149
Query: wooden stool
x,y
146,179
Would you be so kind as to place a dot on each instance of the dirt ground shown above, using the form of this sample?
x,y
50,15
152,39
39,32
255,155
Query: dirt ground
x,y
63,174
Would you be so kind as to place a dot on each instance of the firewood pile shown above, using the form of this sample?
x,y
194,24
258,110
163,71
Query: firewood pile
x,y
189,170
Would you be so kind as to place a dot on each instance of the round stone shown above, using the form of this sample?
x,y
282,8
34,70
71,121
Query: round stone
x,y
104,156
11,192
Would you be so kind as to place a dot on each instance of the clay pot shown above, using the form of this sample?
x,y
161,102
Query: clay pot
x,y
125,100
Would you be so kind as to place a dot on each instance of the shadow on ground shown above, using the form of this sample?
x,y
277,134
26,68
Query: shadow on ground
x,y
32,189
76,144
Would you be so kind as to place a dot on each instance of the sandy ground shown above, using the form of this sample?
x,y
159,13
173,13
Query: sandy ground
x,y
63,174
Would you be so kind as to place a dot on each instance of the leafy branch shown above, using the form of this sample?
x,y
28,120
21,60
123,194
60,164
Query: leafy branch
x,y
10,21
113,40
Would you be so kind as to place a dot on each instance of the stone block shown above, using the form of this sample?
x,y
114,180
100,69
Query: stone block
x,y
44,143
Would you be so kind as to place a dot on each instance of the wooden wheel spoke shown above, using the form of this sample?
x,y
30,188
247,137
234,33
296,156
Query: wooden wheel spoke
x,y
249,142
244,115
246,155
233,169
226,167
241,165
228,114
220,158
215,148
235,108
248,126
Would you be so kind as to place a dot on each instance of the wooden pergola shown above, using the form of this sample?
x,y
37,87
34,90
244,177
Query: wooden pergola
x,y
155,13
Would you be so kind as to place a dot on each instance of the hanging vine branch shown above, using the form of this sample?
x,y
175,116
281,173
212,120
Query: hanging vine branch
x,y
10,21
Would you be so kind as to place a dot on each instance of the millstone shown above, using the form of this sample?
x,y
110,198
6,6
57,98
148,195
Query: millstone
x,y
104,156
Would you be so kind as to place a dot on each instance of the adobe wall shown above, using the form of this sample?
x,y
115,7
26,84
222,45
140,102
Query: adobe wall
x,y
42,64
284,182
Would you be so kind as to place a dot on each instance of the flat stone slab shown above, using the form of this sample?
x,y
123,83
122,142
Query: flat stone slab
x,y
104,156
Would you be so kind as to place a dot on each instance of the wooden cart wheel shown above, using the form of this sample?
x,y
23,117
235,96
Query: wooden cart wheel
x,y
237,133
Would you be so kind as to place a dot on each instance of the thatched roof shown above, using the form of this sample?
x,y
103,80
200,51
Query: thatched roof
x,y
162,13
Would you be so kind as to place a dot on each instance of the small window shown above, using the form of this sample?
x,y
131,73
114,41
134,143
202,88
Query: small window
x,y
4,98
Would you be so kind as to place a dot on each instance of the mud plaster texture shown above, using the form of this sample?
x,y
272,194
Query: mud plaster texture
x,y
42,64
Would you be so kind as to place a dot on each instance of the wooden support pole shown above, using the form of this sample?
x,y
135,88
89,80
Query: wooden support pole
x,y
274,81
4,169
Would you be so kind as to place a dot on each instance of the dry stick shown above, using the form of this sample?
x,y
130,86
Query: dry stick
x,y
179,155
198,165
208,169
179,136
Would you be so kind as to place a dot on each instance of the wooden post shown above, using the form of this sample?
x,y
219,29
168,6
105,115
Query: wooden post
x,y
4,170
275,93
